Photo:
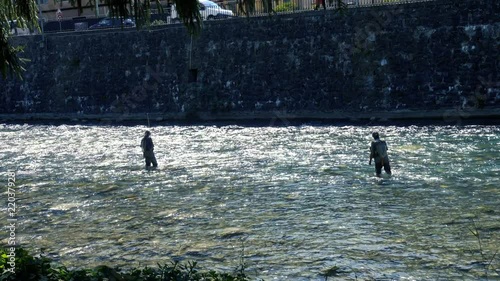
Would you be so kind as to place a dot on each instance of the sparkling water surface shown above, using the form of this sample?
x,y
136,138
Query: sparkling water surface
x,y
290,202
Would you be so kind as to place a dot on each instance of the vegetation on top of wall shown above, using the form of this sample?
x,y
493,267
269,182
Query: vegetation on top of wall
x,y
23,14
285,7
20,14
158,22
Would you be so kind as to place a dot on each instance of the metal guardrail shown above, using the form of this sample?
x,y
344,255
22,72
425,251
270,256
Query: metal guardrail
x,y
276,7
263,7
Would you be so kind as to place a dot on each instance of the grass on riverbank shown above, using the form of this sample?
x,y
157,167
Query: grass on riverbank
x,y
27,267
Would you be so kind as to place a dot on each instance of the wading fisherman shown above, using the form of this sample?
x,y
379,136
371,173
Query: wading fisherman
x,y
147,150
378,150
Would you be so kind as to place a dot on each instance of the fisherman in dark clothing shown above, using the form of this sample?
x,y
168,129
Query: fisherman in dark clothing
x,y
147,150
378,150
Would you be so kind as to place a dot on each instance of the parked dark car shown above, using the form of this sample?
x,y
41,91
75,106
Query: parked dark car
x,y
113,23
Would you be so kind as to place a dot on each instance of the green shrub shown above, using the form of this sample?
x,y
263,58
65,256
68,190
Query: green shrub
x,y
285,7
158,22
29,268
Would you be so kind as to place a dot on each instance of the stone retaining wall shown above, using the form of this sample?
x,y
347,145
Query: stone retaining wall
x,y
438,55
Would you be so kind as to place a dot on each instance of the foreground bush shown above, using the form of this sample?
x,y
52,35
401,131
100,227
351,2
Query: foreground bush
x,y
28,267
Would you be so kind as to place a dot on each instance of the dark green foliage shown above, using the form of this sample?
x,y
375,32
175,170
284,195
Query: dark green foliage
x,y
12,64
22,14
29,268
286,7
247,7
189,13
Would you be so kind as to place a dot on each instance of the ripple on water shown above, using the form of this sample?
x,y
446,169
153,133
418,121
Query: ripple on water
x,y
294,201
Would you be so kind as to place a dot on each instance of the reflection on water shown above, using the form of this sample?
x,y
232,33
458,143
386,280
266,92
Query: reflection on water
x,y
292,200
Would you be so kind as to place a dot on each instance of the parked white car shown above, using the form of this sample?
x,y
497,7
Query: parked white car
x,y
208,10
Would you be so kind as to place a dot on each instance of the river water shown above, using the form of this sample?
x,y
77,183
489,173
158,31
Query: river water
x,y
290,202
